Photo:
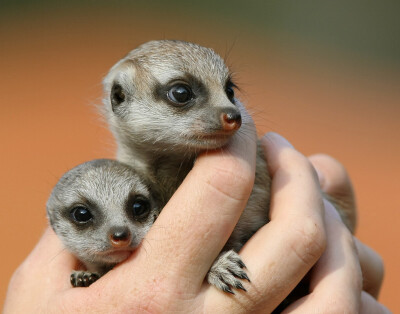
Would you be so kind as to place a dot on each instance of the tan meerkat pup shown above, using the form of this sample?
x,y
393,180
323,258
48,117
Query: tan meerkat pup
x,y
166,102
101,210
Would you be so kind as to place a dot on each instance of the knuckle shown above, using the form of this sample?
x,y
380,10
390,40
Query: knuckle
x,y
309,240
339,303
160,296
232,180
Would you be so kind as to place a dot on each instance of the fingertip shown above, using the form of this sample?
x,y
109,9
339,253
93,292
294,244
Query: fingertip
x,y
332,173
337,186
369,305
275,147
372,268
275,139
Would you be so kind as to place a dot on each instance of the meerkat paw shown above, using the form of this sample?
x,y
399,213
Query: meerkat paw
x,y
226,272
83,278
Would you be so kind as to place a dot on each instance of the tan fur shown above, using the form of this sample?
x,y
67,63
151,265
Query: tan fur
x,y
162,140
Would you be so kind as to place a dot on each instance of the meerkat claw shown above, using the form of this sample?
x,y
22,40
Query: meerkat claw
x,y
240,286
226,272
83,279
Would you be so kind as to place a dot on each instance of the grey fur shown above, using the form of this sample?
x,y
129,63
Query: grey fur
x,y
107,188
162,140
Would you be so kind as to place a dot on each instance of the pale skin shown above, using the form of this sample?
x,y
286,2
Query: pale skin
x,y
166,273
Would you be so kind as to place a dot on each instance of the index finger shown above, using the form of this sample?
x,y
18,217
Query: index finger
x,y
199,218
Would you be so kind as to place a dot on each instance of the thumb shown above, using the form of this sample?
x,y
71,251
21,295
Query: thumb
x,y
49,261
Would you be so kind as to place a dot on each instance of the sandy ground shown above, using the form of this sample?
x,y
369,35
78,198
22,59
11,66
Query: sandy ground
x,y
50,84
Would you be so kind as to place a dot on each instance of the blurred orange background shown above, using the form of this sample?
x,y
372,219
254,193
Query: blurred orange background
x,y
326,76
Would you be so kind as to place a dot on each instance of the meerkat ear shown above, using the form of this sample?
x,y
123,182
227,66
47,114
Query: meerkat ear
x,y
119,83
117,95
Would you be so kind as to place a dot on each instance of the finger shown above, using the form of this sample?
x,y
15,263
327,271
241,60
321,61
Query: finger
x,y
48,265
199,218
50,253
284,250
372,268
290,170
48,247
335,182
369,305
336,280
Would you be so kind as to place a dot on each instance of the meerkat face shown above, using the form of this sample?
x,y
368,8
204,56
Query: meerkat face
x,y
172,95
101,210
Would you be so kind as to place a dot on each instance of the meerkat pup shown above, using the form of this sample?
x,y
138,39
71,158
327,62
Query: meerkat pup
x,y
166,102
101,210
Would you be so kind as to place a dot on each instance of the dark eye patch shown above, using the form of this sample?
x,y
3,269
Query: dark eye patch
x,y
84,213
138,207
186,90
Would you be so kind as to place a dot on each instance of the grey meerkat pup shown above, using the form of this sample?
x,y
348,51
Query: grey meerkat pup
x,y
166,101
101,210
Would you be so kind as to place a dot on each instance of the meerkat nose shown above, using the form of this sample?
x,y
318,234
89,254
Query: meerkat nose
x,y
231,120
120,237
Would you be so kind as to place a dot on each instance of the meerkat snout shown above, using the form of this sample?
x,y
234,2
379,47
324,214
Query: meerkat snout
x,y
231,120
120,237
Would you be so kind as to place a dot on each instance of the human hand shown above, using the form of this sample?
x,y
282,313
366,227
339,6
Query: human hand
x,y
336,280
347,266
166,273
333,278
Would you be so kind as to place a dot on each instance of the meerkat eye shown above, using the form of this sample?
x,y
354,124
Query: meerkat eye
x,y
229,90
81,214
230,93
117,95
180,94
140,208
